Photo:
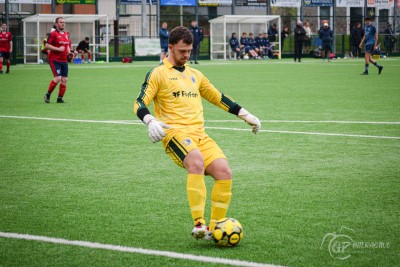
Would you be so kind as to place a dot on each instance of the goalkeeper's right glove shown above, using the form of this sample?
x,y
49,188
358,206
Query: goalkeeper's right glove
x,y
155,128
250,119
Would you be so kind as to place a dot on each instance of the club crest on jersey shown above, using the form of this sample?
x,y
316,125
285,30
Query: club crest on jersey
x,y
187,142
193,79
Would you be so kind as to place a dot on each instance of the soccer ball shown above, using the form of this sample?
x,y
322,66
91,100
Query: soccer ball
x,y
245,57
228,232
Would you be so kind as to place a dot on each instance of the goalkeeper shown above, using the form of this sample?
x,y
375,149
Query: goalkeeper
x,y
178,122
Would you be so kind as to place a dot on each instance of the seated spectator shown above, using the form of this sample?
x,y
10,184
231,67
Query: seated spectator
x,y
83,47
377,50
258,42
252,43
267,48
235,46
247,48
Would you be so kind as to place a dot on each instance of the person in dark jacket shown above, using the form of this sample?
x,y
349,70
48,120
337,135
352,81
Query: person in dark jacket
x,y
326,36
299,34
164,36
390,38
355,37
235,46
284,34
272,33
197,38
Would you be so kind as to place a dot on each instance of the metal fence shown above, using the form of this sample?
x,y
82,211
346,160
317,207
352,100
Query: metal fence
x,y
120,47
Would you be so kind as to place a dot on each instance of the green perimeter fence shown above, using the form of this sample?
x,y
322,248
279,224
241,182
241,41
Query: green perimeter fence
x,y
121,47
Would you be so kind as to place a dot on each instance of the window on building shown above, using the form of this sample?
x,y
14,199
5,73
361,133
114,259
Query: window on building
x,y
371,12
67,8
356,15
383,20
13,8
123,9
325,13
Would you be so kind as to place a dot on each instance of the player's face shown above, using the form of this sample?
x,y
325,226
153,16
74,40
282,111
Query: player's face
x,y
367,22
4,27
60,24
164,25
180,53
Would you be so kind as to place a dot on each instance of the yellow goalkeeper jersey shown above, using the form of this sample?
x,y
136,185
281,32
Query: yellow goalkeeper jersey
x,y
177,94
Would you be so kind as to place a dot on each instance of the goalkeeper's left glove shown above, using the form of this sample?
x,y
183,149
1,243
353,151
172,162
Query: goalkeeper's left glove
x,y
250,119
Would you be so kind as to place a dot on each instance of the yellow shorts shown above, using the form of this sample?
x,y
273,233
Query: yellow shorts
x,y
178,144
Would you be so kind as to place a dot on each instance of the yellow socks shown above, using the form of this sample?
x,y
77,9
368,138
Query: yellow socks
x,y
220,197
196,190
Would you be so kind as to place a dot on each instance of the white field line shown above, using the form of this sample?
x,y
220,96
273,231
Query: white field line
x,y
209,127
321,122
161,253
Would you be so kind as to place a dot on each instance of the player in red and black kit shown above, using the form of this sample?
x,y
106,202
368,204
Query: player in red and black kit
x,y
5,47
59,45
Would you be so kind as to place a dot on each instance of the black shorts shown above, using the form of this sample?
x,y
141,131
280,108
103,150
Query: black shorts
x,y
59,68
80,50
5,55
326,46
369,48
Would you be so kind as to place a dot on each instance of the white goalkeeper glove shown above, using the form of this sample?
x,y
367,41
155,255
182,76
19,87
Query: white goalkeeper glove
x,y
155,128
250,119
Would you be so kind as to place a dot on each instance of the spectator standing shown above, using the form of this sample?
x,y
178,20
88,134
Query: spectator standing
x,y
284,35
197,38
299,34
235,46
5,47
390,38
355,38
83,47
307,37
164,36
272,33
326,36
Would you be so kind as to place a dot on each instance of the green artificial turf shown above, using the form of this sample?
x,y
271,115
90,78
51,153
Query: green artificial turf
x,y
323,161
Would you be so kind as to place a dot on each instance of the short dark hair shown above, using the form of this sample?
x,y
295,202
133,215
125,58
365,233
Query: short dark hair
x,y
180,33
367,18
86,38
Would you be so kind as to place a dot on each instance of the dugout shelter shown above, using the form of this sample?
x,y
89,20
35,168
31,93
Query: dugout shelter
x,y
221,30
79,26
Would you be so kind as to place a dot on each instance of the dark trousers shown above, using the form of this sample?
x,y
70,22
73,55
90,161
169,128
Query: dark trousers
x,y
195,52
298,48
356,51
